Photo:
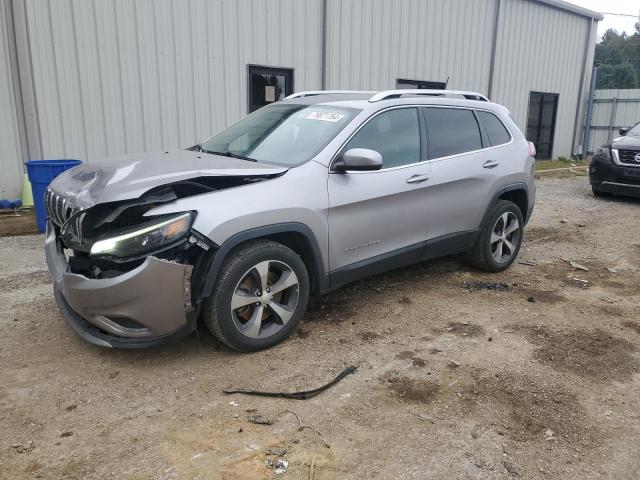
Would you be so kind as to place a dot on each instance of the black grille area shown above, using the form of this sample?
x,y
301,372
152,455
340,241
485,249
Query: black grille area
x,y
60,211
629,157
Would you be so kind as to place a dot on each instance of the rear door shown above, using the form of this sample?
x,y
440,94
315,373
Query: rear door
x,y
464,171
379,215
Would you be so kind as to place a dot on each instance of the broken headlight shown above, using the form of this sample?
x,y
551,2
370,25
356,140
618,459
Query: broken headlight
x,y
145,238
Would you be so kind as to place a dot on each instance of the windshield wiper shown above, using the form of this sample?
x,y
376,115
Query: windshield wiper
x,y
228,154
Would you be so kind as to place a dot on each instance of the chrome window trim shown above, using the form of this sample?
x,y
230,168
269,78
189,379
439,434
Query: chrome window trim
x,y
423,162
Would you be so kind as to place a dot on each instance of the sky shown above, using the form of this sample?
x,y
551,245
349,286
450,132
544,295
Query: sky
x,y
620,23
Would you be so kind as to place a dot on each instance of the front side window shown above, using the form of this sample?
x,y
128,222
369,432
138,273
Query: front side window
x,y
283,134
496,131
394,134
452,131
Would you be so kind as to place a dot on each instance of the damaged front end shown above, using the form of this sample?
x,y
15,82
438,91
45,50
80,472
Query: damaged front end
x,y
124,278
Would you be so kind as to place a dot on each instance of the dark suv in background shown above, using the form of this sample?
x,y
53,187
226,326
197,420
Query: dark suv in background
x,y
615,168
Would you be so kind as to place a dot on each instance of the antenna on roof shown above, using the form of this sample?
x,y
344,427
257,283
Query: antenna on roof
x,y
446,82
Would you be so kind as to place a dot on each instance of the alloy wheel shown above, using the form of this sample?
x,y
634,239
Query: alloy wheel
x,y
265,299
505,236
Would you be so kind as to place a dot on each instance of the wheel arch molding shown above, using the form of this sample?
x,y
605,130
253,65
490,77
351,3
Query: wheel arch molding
x,y
517,193
296,236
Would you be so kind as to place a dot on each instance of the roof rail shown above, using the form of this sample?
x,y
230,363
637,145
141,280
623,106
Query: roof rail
x,y
397,93
311,93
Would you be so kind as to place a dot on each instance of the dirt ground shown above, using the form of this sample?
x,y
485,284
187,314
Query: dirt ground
x,y
18,222
531,373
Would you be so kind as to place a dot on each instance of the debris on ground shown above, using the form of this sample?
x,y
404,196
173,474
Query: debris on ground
x,y
482,285
233,403
313,466
297,395
303,426
276,451
455,363
510,468
530,263
531,299
260,420
21,448
578,266
281,467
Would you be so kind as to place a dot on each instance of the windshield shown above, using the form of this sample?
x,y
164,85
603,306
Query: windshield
x,y
634,132
285,134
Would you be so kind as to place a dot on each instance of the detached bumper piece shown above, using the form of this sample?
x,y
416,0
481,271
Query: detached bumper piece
x,y
146,306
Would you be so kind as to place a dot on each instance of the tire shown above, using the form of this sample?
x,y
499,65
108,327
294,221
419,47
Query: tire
x,y
257,319
484,255
600,193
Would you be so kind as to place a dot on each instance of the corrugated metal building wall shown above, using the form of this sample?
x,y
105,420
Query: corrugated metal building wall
x,y
538,47
607,113
11,155
103,77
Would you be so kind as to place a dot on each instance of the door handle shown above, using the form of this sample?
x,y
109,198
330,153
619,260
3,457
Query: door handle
x,y
417,178
491,164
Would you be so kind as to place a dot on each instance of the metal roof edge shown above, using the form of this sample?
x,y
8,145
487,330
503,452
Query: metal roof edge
x,y
570,7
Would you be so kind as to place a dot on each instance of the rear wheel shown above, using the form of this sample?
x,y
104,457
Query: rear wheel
x,y
500,238
261,293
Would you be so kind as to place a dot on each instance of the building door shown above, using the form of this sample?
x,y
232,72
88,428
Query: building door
x,y
268,85
541,122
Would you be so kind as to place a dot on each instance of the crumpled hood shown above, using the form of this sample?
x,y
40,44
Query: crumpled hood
x,y
129,176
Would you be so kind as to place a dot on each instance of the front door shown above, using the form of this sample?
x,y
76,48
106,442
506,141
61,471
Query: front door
x,y
378,217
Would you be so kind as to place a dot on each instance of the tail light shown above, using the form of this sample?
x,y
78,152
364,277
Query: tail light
x,y
532,149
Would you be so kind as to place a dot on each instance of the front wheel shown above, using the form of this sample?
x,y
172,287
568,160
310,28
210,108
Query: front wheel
x,y
500,238
261,293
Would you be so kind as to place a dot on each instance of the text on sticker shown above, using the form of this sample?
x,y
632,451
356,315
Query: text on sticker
x,y
325,116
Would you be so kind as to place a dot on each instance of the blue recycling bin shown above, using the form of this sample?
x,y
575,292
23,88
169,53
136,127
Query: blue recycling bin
x,y
40,173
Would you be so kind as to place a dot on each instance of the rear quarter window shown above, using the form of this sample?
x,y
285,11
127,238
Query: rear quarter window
x,y
496,131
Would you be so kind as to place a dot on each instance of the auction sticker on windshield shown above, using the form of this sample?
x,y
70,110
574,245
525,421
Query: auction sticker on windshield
x,y
325,116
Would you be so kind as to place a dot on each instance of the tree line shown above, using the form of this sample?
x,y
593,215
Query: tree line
x,y
618,59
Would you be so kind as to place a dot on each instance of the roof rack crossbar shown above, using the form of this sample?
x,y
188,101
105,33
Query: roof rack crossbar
x,y
397,93
311,93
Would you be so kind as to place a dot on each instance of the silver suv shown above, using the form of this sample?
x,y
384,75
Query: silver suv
x,y
300,197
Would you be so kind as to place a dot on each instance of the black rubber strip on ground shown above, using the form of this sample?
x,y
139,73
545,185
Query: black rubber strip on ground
x,y
297,395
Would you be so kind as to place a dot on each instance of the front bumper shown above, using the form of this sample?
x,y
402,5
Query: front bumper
x,y
607,177
146,306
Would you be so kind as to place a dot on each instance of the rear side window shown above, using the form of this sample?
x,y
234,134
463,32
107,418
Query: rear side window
x,y
452,131
394,134
496,131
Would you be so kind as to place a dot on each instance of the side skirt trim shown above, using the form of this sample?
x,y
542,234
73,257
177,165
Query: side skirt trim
x,y
450,244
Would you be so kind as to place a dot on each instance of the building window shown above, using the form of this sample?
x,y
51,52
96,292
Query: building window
x,y
268,85
541,122
420,84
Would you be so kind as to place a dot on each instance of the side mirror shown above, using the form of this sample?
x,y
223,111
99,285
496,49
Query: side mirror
x,y
623,131
358,160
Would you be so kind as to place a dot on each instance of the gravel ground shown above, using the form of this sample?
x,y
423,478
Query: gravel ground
x,y
531,373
